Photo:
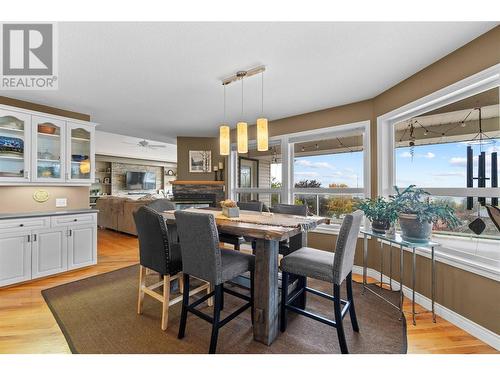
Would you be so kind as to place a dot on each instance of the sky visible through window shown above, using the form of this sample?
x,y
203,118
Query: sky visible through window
x,y
343,168
439,165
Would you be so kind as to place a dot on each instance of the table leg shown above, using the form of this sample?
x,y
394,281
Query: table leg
x,y
401,280
414,275
266,304
365,260
433,292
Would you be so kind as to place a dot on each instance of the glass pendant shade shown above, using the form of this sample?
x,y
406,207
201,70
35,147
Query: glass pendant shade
x,y
224,140
262,135
242,132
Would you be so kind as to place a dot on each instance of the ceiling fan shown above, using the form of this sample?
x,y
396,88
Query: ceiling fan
x,y
145,144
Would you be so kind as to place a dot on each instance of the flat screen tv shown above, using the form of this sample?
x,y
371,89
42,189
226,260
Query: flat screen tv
x,y
140,181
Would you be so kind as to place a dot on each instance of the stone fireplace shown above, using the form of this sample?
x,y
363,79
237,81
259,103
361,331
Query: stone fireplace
x,y
213,191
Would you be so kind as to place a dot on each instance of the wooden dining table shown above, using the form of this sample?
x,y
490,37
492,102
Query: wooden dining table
x,y
268,229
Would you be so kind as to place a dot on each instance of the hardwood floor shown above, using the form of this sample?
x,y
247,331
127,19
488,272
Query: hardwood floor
x,y
27,325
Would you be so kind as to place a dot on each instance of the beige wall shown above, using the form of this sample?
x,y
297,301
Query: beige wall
x,y
20,198
186,144
467,294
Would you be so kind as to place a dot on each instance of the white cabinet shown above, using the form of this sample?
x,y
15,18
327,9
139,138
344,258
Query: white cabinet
x,y
81,246
49,252
15,257
41,148
80,146
36,247
48,149
15,146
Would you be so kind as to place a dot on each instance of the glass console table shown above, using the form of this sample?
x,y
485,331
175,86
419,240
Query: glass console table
x,y
397,241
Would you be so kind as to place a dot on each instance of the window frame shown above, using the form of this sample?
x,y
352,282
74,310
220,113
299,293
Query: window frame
x,y
472,85
288,189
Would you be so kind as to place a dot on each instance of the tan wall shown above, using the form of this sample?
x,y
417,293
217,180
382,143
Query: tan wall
x,y
20,198
467,294
186,144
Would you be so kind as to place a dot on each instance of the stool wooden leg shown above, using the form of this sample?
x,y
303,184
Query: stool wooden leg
x,y
337,307
210,301
284,300
185,303
352,311
142,285
166,300
219,292
181,284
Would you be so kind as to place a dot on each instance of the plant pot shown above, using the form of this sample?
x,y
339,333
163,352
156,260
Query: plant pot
x,y
380,226
231,211
413,230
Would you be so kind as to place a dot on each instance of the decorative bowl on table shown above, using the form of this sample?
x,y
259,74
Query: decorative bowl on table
x,y
46,128
11,145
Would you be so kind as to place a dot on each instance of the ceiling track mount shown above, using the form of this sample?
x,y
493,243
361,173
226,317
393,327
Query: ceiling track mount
x,y
243,74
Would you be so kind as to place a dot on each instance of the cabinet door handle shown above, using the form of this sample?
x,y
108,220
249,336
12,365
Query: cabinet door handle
x,y
21,225
34,238
75,219
29,238
70,232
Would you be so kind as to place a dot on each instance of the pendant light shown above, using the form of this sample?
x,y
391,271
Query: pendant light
x,y
262,128
242,127
224,133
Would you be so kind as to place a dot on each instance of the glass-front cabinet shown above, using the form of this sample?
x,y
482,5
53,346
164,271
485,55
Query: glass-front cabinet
x,y
48,144
44,149
80,153
15,137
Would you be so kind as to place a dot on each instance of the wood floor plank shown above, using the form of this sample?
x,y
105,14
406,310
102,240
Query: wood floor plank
x,y
28,326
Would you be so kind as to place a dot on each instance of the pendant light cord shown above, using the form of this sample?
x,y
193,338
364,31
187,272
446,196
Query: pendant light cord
x,y
224,103
262,93
241,99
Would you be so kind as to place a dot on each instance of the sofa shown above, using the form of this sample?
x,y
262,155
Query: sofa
x,y
117,213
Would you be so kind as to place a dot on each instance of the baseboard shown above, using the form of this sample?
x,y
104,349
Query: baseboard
x,y
476,330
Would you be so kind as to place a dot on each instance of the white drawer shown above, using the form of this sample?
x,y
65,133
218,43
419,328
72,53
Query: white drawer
x,y
69,220
32,223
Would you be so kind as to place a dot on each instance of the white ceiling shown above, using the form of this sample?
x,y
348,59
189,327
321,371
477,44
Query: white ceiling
x,y
162,80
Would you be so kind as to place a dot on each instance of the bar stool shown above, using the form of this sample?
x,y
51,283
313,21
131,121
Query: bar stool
x,y
203,259
158,254
331,267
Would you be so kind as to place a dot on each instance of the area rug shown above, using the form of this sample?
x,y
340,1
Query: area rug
x,y
98,315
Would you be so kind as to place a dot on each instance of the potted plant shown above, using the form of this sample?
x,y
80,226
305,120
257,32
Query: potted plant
x,y
417,213
380,212
230,208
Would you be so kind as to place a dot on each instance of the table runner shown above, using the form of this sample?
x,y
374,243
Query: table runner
x,y
272,219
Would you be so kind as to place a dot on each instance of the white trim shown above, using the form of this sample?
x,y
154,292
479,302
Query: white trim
x,y
45,114
464,192
472,85
476,330
329,191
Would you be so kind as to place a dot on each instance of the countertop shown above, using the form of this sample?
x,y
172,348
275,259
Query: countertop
x,y
23,215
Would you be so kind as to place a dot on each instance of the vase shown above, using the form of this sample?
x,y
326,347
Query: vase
x,y
380,226
413,230
231,211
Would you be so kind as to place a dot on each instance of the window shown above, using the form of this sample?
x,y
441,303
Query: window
x,y
325,169
438,143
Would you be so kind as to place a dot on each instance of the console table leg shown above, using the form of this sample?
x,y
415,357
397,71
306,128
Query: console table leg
x,y
433,292
401,279
414,275
365,256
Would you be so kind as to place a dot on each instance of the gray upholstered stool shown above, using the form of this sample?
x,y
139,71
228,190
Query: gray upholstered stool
x,y
157,253
161,205
331,267
203,259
